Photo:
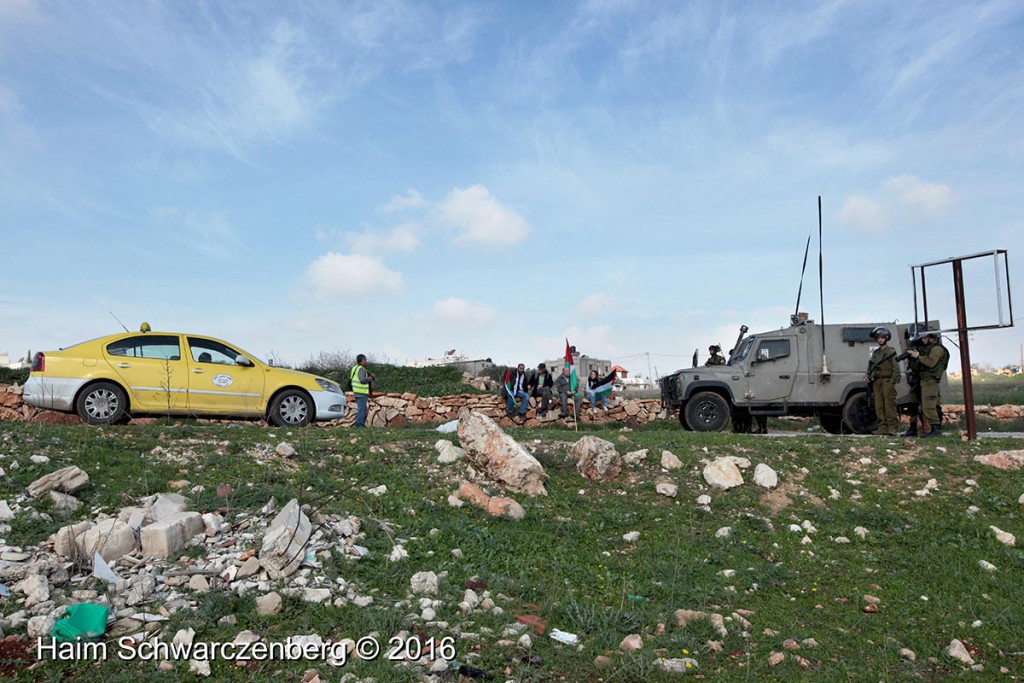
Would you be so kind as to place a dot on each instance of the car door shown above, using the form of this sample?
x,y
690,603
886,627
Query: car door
x,y
218,384
150,367
773,366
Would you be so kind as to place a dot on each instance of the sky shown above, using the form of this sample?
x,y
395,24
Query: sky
x,y
400,178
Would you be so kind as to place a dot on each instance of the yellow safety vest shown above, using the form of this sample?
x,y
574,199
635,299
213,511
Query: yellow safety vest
x,y
357,386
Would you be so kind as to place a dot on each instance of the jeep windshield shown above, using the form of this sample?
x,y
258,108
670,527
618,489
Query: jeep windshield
x,y
740,354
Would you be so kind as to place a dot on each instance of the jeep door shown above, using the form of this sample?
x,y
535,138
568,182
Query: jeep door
x,y
772,369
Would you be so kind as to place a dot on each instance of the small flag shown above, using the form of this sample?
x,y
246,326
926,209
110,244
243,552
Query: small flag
x,y
605,386
508,387
573,381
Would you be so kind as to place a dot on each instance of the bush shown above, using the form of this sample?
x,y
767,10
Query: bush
x,y
443,380
8,376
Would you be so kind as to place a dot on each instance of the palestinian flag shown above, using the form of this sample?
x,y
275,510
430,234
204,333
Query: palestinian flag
x,y
604,386
573,381
508,386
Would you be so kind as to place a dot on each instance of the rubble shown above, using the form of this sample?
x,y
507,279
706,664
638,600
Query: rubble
x,y
66,479
285,541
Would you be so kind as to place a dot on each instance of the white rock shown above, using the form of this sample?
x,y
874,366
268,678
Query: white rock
x,y
424,583
842,540
667,489
62,502
704,499
596,459
635,457
454,501
1004,537
987,566
5,511
428,614
632,642
723,532
398,553
525,642
36,589
956,650
631,537
860,531
669,461
908,654
285,450
448,452
184,636
378,490
765,476
39,459
268,604
67,479
199,667
723,473
284,542
471,598
677,666
499,455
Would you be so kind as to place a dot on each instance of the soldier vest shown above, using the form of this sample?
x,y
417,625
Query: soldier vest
x,y
940,355
883,363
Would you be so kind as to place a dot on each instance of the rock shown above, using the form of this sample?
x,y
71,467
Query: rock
x,y
704,500
1003,460
631,537
505,507
424,583
199,667
62,502
268,604
499,455
676,666
987,566
596,459
67,479
776,658
142,587
167,537
908,654
5,511
685,617
723,474
1004,537
631,643
66,542
448,452
285,450
860,531
473,494
398,553
167,505
317,595
184,636
790,644
669,461
285,541
111,538
39,459
40,626
765,476
742,463
635,457
36,589
723,532
602,662
956,650
199,583
667,489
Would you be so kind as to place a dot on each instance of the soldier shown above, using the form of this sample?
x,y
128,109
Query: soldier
x,y
715,353
931,362
883,375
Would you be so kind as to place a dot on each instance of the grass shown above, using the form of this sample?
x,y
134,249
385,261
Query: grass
x,y
567,561
991,389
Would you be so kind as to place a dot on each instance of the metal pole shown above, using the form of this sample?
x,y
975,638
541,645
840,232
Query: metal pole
x,y
965,352
650,375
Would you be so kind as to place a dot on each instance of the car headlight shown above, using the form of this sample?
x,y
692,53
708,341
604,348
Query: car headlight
x,y
328,385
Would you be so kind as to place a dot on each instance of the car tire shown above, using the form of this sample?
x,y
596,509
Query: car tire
x,y
707,412
832,423
858,415
102,403
682,419
291,408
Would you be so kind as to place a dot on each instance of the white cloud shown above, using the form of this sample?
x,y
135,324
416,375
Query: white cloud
x,y
404,238
211,234
929,200
863,213
595,304
460,311
410,200
335,274
479,218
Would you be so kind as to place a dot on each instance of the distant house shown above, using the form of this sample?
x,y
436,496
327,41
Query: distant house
x,y
459,360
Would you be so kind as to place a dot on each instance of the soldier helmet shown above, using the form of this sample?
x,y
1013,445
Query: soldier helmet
x,y
914,331
881,332
715,348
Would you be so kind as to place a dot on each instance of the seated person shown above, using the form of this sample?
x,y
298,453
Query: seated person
x,y
539,386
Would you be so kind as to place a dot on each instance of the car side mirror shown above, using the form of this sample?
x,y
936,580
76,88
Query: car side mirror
x,y
243,361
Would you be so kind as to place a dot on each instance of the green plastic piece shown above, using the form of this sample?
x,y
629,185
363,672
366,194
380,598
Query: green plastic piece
x,y
84,621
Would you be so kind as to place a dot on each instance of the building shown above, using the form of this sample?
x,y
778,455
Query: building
x,y
459,360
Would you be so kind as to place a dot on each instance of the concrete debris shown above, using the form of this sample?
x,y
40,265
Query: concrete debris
x,y
285,540
67,479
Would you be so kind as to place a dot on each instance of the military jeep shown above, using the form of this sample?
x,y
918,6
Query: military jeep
x,y
781,373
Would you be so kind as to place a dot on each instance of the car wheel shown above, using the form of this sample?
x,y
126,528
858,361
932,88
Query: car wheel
x,y
102,403
832,423
682,419
858,415
707,412
291,408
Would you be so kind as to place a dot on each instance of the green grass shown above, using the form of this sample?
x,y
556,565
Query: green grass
x,y
991,389
568,557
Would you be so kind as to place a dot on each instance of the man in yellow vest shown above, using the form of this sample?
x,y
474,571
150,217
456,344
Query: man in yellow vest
x,y
361,380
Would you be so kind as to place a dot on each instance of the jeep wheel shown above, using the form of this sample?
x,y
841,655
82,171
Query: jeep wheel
x,y
832,423
682,419
707,412
858,415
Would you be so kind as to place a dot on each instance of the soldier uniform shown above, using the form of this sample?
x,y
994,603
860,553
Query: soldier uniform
x,y
883,374
716,357
931,364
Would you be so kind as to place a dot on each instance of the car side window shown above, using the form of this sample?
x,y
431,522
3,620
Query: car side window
x,y
770,349
209,351
158,346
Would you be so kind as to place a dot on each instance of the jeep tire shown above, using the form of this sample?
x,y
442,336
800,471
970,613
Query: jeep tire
x,y
858,415
707,411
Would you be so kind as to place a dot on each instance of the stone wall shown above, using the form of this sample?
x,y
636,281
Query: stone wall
x,y
397,410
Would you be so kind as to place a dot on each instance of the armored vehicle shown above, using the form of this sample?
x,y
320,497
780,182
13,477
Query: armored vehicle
x,y
803,370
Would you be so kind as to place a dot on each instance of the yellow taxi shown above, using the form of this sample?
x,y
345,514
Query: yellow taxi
x,y
106,380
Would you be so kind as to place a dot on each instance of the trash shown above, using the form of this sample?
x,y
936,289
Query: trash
x,y
565,637
636,598
82,621
449,427
5,592
101,570
310,560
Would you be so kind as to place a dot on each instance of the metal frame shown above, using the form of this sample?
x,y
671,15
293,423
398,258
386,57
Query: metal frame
x,y
962,328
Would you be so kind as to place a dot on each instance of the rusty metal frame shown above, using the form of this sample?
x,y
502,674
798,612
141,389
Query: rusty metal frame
x,y
962,328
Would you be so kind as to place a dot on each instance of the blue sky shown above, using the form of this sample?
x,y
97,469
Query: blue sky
x,y
402,178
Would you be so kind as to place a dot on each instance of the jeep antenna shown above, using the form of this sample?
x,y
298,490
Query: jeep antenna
x,y
118,321
821,296
803,271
